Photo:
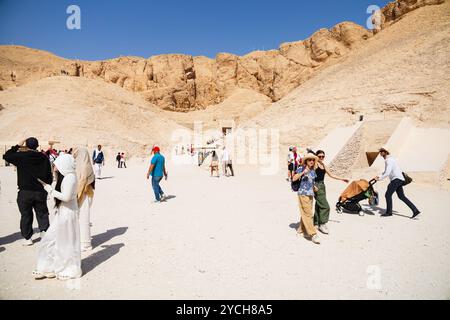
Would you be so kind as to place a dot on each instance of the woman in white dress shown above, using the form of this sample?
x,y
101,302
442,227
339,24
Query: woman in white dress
x,y
85,194
59,252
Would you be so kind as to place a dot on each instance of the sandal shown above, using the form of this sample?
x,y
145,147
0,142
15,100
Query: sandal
x,y
38,275
63,278
42,275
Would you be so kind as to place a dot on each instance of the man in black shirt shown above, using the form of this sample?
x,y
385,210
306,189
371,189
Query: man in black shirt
x,y
31,165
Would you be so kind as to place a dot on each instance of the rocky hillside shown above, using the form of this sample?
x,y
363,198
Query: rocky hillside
x,y
185,83
78,111
401,72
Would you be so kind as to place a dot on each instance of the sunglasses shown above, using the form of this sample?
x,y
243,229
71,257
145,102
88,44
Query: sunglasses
x,y
321,157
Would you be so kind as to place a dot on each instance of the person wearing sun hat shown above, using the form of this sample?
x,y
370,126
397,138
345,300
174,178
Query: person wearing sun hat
x,y
395,174
306,174
157,170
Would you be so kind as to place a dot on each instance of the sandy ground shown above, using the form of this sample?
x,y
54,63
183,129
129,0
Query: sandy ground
x,y
234,238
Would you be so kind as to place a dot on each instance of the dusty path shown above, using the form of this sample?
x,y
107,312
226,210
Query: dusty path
x,y
234,238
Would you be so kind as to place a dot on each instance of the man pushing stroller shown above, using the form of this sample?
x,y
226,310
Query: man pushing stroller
x,y
397,178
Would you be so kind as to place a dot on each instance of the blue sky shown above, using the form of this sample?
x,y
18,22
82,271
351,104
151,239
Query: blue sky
x,y
145,28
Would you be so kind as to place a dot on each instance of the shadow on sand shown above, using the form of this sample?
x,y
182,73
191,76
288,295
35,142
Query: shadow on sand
x,y
14,237
381,211
2,249
96,259
101,238
295,225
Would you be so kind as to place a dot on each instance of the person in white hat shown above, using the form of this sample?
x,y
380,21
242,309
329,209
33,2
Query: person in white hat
x,y
306,174
395,174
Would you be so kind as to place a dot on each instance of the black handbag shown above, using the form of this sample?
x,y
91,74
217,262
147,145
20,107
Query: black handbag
x,y
408,179
295,185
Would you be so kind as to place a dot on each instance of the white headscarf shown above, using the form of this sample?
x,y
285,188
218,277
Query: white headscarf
x,y
65,164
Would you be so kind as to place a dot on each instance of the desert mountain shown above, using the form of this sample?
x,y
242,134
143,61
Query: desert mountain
x,y
321,83
79,111
402,71
184,83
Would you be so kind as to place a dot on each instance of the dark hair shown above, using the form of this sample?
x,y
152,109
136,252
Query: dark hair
x,y
214,153
32,143
320,152
59,179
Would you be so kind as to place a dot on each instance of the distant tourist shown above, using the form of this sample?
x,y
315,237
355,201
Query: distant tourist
x,y
290,163
99,160
85,194
395,174
59,251
214,165
157,170
227,162
322,208
306,174
31,166
118,157
123,164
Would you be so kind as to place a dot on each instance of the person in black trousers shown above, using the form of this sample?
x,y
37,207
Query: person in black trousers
x,y
118,157
31,166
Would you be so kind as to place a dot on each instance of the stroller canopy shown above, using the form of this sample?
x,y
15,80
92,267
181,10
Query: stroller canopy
x,y
354,188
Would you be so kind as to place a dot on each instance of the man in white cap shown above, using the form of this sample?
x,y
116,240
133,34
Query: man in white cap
x,y
395,174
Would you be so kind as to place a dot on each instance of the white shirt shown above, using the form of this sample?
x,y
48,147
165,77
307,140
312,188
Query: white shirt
x,y
291,157
392,170
225,155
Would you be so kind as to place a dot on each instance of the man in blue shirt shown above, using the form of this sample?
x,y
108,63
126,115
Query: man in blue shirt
x,y
157,170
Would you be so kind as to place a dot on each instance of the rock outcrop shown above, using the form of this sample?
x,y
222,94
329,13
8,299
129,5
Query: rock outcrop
x,y
393,11
184,83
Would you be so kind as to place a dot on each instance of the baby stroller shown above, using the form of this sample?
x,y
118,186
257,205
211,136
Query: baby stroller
x,y
356,192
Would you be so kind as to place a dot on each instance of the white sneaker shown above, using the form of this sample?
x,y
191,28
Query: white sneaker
x,y
315,239
28,242
324,229
42,234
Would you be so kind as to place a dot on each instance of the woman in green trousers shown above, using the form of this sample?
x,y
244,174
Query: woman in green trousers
x,y
322,208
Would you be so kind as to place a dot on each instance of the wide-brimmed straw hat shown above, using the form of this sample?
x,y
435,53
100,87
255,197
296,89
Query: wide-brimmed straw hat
x,y
309,156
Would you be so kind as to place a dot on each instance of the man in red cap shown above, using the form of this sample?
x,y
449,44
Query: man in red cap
x,y
157,170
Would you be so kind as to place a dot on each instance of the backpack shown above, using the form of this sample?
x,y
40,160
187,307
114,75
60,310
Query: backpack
x,y
99,158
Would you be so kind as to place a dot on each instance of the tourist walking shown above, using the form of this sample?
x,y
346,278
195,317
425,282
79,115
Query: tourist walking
x,y
123,164
85,195
395,174
157,170
322,208
118,157
59,251
214,163
99,160
31,165
227,162
290,163
306,174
